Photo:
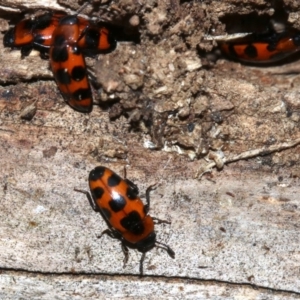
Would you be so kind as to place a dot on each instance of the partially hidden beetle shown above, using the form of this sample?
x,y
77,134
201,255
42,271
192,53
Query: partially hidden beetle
x,y
262,48
68,38
34,33
127,217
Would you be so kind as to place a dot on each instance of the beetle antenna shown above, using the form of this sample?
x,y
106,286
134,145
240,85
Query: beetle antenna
x,y
165,247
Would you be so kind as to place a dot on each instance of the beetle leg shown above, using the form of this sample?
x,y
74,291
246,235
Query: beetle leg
x,y
148,190
111,233
91,200
165,247
159,221
125,251
115,235
142,264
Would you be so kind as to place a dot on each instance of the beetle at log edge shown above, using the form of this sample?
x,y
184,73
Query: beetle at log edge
x,y
127,217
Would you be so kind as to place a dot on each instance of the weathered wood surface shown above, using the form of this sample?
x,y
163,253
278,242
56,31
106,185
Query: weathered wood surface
x,y
235,232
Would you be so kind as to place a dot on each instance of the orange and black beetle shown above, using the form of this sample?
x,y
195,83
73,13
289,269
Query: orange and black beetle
x,y
34,33
69,38
262,48
127,217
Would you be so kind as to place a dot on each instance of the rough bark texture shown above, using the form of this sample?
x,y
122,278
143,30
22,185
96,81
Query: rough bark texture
x,y
165,107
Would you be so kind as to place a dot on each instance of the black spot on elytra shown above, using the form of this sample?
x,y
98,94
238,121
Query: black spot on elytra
x,y
106,213
82,94
60,51
28,24
43,21
60,54
97,193
251,51
133,223
117,203
92,38
62,76
78,73
59,41
114,180
131,193
97,173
